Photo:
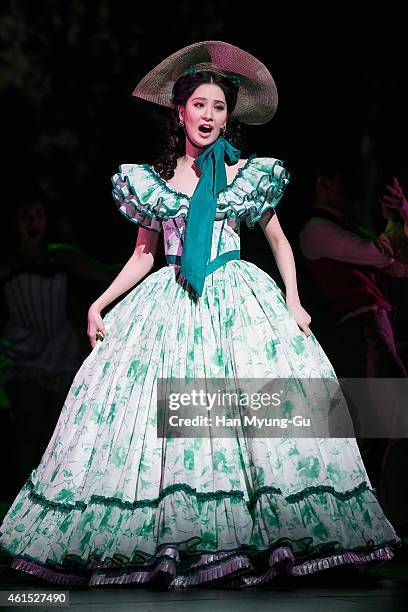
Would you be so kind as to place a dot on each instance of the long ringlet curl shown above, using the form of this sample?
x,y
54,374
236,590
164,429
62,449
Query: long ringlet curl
x,y
184,87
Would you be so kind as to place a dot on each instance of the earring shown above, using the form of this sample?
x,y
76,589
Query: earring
x,y
181,123
223,129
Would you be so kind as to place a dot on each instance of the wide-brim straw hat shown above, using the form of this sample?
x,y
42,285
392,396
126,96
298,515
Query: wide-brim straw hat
x,y
257,95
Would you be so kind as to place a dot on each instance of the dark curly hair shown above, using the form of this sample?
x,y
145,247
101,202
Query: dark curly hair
x,y
184,87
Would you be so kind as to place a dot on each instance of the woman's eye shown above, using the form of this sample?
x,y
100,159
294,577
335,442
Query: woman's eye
x,y
200,104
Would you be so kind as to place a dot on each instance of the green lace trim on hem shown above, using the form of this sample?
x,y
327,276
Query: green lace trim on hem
x,y
296,497
201,497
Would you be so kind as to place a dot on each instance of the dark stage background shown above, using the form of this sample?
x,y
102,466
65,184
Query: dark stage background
x,y
67,70
69,120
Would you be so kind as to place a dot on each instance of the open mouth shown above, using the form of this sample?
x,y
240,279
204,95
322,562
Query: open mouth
x,y
205,129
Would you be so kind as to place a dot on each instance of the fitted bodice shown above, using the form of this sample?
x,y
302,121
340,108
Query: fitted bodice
x,y
225,242
143,197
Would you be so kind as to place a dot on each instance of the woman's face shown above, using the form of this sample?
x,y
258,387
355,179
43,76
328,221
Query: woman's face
x,y
31,222
204,114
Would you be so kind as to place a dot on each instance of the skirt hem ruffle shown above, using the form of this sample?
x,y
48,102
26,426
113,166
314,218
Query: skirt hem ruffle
x,y
239,567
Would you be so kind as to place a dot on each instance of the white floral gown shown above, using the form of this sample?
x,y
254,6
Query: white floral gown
x,y
111,503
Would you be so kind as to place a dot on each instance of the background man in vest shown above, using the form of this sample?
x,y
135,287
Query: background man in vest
x,y
344,267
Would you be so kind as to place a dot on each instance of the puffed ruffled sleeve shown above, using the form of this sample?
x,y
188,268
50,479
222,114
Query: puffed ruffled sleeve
x,y
133,194
258,187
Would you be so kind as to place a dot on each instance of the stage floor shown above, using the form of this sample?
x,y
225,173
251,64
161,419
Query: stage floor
x,y
384,588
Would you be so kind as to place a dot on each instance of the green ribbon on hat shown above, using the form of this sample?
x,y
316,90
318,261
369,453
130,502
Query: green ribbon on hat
x,y
201,214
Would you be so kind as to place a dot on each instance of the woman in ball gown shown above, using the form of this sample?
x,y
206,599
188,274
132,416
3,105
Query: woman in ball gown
x,y
111,501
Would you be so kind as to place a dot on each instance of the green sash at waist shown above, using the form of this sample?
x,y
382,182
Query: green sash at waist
x,y
212,265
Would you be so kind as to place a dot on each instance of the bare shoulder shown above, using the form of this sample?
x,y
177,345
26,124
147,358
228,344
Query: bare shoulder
x,y
240,164
232,171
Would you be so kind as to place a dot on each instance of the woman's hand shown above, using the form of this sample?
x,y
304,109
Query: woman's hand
x,y
96,327
395,200
302,317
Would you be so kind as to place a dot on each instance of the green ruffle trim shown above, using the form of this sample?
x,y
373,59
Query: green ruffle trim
x,y
146,199
297,497
264,185
201,497
309,551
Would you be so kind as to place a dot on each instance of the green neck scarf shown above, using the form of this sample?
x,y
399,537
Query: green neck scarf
x,y
203,203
